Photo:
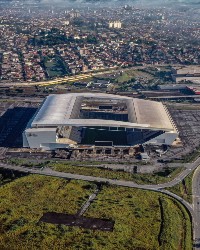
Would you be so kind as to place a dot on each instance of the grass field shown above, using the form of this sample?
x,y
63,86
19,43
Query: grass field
x,y
92,135
23,202
124,77
143,219
131,74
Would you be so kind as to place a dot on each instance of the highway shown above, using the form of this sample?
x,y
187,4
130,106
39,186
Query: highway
x,y
75,77
196,207
49,82
59,80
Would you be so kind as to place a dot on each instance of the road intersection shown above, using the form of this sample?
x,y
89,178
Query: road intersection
x,y
194,209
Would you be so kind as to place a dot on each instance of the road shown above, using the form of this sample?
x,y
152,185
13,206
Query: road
x,y
196,206
59,80
75,77
50,172
156,188
194,209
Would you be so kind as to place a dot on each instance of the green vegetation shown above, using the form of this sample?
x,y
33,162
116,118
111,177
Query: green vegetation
x,y
192,156
7,176
155,178
7,100
184,189
92,135
139,223
24,201
124,77
56,36
142,225
54,66
125,80
175,228
81,168
33,163
186,106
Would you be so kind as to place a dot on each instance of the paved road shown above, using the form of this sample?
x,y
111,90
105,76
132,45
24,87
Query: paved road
x,y
75,77
157,188
58,80
50,172
193,209
196,206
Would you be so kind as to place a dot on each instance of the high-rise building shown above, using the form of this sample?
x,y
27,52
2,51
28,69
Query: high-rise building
x,y
115,24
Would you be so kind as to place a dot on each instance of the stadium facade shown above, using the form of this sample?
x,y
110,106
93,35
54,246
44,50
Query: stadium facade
x,y
98,119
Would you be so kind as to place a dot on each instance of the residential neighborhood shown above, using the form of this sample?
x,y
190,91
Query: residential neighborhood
x,y
39,44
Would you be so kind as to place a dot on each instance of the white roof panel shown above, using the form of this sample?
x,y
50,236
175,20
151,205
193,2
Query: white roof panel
x,y
64,109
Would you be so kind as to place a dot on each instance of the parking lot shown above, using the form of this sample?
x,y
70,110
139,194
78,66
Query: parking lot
x,y
14,117
15,114
187,121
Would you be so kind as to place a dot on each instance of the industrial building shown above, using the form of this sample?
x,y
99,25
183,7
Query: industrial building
x,y
186,73
194,89
98,119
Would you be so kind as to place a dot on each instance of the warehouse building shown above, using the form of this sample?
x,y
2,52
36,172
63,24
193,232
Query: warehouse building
x,y
186,73
98,119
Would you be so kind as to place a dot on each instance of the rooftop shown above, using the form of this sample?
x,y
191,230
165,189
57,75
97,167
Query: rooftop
x,y
64,109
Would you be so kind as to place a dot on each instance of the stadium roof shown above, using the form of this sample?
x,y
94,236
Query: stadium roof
x,y
64,109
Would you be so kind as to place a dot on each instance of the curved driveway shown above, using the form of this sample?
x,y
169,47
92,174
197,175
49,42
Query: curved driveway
x,y
50,172
193,209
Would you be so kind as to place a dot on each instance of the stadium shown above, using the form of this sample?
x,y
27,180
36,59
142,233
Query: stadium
x,y
98,119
